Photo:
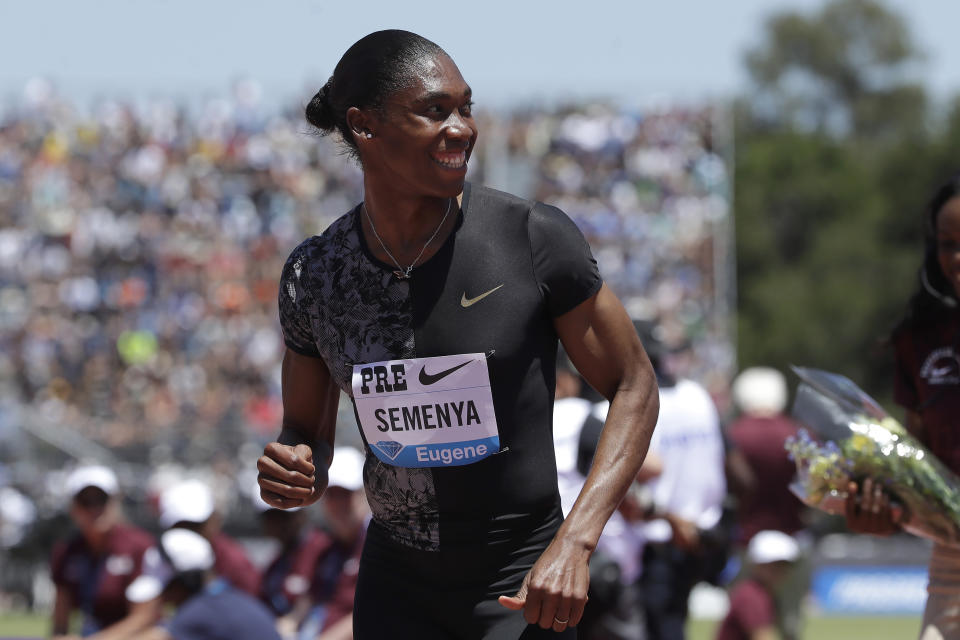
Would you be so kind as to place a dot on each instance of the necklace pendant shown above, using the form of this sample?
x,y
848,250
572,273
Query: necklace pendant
x,y
401,275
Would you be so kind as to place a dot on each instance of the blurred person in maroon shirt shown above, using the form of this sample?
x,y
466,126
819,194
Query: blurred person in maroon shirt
x,y
753,605
190,505
311,582
92,569
284,581
762,489
765,502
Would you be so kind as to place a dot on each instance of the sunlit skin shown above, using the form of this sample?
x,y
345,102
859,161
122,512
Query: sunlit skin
x,y
415,159
948,243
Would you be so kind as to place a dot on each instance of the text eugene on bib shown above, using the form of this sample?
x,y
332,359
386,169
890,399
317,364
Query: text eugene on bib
x,y
427,412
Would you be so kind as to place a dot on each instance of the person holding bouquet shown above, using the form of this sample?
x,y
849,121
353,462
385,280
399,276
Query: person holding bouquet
x,y
927,385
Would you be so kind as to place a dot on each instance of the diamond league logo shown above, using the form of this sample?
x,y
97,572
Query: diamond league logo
x,y
391,448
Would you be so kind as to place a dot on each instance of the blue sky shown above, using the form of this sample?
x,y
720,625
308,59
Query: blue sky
x,y
634,50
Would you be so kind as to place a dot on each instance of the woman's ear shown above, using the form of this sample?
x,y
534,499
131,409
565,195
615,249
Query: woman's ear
x,y
359,124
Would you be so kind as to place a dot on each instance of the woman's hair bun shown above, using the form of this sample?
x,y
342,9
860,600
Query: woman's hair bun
x,y
320,112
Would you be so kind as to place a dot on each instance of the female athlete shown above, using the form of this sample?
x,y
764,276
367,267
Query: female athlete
x,y
437,306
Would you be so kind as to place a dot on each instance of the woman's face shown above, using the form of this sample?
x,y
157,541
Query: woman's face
x,y
948,242
423,140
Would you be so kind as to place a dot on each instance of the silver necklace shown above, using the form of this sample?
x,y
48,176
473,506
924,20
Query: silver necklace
x,y
400,272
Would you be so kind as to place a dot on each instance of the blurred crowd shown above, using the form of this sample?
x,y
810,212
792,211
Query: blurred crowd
x,y
139,257
650,189
182,576
141,245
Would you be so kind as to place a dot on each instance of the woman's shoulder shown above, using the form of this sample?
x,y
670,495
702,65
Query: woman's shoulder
x,y
334,236
483,194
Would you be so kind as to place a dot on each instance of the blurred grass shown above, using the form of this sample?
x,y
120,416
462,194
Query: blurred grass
x,y
14,625
833,628
24,625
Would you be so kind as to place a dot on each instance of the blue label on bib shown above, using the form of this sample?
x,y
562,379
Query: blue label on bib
x,y
447,454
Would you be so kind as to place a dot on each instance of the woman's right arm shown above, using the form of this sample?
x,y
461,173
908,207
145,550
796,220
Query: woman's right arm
x,y
293,470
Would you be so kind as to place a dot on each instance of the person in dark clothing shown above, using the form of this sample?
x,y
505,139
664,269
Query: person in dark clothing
x,y
179,571
764,501
437,306
310,584
753,608
190,504
92,569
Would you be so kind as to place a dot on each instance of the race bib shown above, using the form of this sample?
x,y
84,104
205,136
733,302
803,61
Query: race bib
x,y
427,412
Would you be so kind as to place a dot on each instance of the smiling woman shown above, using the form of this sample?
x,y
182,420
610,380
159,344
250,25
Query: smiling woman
x,y
437,305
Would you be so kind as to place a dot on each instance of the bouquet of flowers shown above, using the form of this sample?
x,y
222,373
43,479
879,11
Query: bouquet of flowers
x,y
853,438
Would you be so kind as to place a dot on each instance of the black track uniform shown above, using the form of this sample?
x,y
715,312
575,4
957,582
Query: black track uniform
x,y
446,541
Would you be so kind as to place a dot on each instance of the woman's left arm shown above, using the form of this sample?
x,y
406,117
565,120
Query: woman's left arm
x,y
602,343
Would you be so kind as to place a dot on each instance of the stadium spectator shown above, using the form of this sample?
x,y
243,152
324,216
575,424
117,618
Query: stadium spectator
x,y
685,526
180,573
753,611
189,504
92,569
287,575
346,515
926,344
764,500
139,243
759,433
310,583
139,246
650,190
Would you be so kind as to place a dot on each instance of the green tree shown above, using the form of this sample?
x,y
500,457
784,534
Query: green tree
x,y
835,160
844,69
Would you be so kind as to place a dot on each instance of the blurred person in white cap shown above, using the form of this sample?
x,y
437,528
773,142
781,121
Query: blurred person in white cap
x,y
189,504
322,580
758,433
180,572
92,569
764,499
753,608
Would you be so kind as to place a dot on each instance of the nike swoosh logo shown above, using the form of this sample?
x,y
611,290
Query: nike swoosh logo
x,y
468,302
426,379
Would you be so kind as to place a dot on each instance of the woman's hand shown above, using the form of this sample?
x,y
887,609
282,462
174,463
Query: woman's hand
x,y
293,470
868,509
554,591
287,476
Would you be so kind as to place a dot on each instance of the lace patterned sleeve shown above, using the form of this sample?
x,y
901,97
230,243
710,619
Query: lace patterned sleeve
x,y
296,305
